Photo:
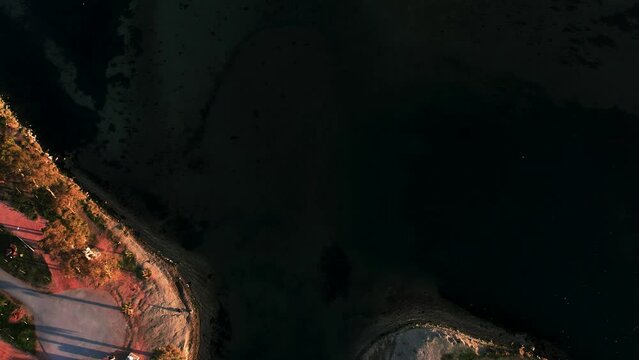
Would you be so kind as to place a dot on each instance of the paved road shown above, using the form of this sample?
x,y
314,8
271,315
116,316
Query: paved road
x,y
74,324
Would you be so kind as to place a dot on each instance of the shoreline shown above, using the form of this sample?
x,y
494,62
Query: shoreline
x,y
148,247
427,310
152,245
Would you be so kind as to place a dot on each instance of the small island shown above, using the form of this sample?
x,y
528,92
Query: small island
x,y
76,283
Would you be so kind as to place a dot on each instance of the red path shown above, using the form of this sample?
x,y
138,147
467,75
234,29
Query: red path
x,y
9,352
20,225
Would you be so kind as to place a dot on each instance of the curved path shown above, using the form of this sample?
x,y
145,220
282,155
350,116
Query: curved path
x,y
74,324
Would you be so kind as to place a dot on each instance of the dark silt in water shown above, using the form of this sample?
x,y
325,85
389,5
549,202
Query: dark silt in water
x,y
30,82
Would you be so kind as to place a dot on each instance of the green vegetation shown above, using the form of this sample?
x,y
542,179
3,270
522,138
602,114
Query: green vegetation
x,y
27,176
127,309
20,334
98,220
143,273
129,263
65,238
31,183
27,265
168,352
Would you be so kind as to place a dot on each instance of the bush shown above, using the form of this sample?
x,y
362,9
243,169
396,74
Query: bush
x,y
97,219
128,261
45,204
100,270
65,235
20,334
143,273
127,309
168,352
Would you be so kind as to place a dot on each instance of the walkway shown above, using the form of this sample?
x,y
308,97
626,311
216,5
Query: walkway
x,y
74,324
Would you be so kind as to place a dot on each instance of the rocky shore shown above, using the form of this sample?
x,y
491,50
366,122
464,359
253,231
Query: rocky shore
x,y
419,324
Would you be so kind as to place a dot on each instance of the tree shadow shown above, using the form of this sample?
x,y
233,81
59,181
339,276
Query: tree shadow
x,y
174,309
85,352
22,229
31,292
72,335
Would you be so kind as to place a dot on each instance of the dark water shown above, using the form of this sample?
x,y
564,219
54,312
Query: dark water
x,y
30,82
526,215
525,211
87,31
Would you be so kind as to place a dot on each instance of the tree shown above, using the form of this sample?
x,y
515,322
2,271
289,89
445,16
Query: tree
x,y
65,235
55,238
45,203
99,270
31,183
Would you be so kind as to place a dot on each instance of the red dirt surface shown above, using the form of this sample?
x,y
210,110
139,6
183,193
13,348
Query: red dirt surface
x,y
19,225
124,286
9,352
140,345
17,315
59,281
